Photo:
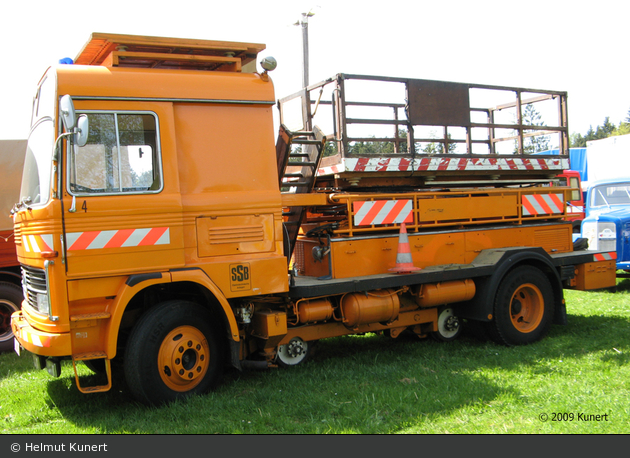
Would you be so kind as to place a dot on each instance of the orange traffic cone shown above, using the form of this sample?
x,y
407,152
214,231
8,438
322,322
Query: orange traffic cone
x,y
404,263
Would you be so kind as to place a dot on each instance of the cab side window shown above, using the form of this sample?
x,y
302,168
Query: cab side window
x,y
121,155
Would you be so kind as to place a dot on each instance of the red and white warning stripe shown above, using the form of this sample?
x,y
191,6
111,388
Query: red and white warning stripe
x,y
37,243
436,164
542,204
122,238
610,256
38,341
367,213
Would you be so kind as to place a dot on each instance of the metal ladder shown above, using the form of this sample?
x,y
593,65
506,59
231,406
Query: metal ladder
x,y
297,172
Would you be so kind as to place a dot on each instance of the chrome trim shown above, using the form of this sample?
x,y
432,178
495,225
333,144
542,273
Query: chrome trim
x,y
171,100
47,265
33,283
63,249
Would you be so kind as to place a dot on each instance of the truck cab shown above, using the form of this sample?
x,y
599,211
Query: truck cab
x,y
575,204
177,170
607,221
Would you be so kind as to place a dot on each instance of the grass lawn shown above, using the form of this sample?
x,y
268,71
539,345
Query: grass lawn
x,y
576,380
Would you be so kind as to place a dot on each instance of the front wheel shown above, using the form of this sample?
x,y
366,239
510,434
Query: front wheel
x,y
523,307
173,352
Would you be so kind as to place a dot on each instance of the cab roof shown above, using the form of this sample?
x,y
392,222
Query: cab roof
x,y
138,51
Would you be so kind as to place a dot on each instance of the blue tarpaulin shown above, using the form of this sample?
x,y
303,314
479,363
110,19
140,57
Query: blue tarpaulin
x,y
577,159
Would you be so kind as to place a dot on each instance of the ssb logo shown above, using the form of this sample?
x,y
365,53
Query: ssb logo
x,y
240,279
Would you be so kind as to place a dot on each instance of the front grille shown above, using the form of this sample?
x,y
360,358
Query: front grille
x,y
34,284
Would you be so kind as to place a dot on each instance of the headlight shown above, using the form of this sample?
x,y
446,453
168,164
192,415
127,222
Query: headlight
x,y
589,232
43,305
602,236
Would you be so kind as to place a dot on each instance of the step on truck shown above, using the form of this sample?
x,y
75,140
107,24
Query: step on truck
x,y
166,233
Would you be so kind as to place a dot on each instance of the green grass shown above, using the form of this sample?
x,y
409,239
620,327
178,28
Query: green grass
x,y
371,385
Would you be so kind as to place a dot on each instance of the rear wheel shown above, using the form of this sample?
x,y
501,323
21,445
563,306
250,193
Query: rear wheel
x,y
10,301
523,307
173,352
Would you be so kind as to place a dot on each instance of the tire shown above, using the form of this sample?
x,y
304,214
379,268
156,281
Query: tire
x,y
10,301
577,226
173,352
295,352
449,326
523,307
96,365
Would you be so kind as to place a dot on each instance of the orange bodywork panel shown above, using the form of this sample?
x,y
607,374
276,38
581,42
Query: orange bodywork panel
x,y
40,342
595,275
357,256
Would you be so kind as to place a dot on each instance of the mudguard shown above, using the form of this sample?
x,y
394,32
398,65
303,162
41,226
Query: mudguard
x,y
481,307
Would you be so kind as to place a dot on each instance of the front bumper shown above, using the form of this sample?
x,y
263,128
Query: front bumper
x,y
39,342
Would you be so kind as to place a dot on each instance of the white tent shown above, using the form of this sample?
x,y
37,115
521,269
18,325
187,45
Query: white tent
x,y
12,154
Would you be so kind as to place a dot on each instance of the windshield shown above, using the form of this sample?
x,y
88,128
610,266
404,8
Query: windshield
x,y
610,195
38,160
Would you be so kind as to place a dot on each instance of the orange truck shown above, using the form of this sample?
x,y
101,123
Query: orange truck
x,y
12,162
162,232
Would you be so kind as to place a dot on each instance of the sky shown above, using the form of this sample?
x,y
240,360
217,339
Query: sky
x,y
576,46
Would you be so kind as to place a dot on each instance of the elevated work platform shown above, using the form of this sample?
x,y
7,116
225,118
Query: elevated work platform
x,y
398,131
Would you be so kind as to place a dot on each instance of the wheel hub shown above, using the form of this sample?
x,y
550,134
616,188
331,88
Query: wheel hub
x,y
516,307
293,352
183,357
451,324
527,308
295,348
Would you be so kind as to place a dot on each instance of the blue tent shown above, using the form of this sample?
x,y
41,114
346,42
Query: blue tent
x,y
577,159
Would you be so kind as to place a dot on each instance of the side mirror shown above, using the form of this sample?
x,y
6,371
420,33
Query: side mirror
x,y
68,115
269,64
78,128
82,130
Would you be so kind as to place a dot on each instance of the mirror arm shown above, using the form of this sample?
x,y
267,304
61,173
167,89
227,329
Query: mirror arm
x,y
56,147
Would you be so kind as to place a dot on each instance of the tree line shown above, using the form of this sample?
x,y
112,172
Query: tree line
x,y
531,145
607,129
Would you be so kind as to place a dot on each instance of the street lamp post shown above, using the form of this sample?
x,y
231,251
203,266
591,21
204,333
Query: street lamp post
x,y
304,24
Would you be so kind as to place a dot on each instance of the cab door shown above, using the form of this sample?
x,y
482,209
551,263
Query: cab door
x,y
120,214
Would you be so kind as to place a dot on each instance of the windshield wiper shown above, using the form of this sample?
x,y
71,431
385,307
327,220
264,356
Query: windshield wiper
x,y
604,198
